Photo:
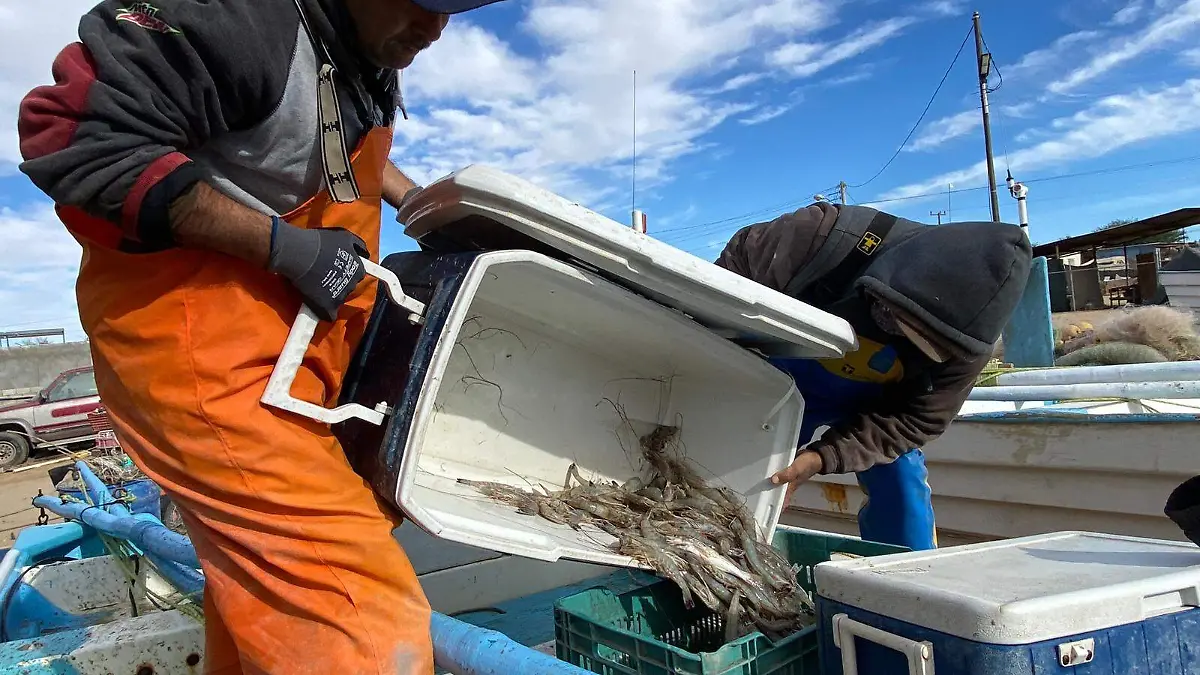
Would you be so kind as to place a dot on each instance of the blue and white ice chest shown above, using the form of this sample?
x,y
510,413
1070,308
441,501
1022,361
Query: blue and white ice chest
x,y
1070,603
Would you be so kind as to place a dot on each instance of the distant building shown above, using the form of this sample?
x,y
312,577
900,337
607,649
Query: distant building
x,y
1109,267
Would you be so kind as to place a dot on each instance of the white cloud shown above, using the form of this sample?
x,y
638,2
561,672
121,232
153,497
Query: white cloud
x,y
945,7
941,131
675,220
1129,13
860,73
738,82
1053,55
40,262
553,102
804,59
496,72
1016,109
1111,124
564,118
765,115
550,103
1174,25
1191,56
1150,201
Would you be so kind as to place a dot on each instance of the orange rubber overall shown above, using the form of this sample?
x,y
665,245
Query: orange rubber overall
x,y
302,572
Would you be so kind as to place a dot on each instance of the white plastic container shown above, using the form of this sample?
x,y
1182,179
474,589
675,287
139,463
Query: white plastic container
x,y
483,208
1066,599
1183,289
506,365
527,359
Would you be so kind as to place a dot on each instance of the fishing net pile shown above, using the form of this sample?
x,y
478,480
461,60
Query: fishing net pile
x,y
1139,335
113,467
701,537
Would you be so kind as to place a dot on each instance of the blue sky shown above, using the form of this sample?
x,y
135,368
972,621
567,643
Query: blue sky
x,y
1087,87
746,109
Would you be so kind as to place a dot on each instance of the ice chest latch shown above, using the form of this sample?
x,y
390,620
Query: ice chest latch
x,y
278,393
1077,653
845,629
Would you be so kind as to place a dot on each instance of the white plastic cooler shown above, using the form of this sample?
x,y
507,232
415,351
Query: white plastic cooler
x,y
481,208
508,366
1069,602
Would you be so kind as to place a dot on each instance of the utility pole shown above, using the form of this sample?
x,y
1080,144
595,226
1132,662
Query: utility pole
x,y
842,191
939,215
984,61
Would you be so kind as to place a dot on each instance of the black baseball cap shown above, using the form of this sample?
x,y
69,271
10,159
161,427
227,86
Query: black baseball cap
x,y
452,6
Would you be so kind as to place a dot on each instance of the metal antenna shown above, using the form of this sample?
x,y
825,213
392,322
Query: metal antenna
x,y
637,218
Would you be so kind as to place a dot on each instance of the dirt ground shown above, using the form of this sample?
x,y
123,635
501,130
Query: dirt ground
x,y
17,490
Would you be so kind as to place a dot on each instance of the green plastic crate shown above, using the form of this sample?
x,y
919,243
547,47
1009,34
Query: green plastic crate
x,y
649,632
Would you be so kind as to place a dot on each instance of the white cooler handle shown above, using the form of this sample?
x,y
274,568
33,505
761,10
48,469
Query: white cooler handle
x,y
279,388
845,629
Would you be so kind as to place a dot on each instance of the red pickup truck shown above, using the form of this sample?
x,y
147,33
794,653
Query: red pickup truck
x,y
57,416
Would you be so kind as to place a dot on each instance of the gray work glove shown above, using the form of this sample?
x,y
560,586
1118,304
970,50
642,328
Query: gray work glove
x,y
323,264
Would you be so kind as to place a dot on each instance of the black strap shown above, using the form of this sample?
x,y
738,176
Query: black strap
x,y
312,36
833,284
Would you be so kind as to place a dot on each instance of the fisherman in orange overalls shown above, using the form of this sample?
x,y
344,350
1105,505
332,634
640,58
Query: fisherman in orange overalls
x,y
222,163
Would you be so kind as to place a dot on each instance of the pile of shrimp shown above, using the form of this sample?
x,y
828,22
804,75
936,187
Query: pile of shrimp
x,y
700,537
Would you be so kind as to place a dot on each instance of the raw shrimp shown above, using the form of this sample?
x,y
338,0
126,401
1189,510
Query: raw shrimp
x,y
700,537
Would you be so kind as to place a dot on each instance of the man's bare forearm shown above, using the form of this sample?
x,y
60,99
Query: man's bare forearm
x,y
395,185
204,218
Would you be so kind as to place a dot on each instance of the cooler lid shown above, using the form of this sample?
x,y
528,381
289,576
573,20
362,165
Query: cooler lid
x,y
1025,590
484,208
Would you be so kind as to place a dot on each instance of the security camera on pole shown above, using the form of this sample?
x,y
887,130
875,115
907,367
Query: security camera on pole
x,y
1018,192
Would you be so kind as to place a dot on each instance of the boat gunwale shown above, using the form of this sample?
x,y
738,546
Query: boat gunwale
x,y
1075,416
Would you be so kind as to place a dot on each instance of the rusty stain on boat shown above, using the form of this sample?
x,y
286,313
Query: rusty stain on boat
x,y
1033,440
835,494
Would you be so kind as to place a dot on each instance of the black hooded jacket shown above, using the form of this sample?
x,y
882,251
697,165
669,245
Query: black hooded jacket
x,y
157,96
1183,508
962,280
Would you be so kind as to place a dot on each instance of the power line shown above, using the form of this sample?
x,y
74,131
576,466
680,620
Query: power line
x,y
999,118
795,202
1116,169
750,214
26,324
877,174
923,113
1047,179
992,90
713,229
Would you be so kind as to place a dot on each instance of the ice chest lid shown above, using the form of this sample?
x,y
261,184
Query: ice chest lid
x,y
1025,590
481,207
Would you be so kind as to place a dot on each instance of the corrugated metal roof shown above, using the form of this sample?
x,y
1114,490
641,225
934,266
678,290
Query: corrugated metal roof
x,y
1121,235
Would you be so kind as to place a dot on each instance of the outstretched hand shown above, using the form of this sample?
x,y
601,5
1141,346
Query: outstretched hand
x,y
806,465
